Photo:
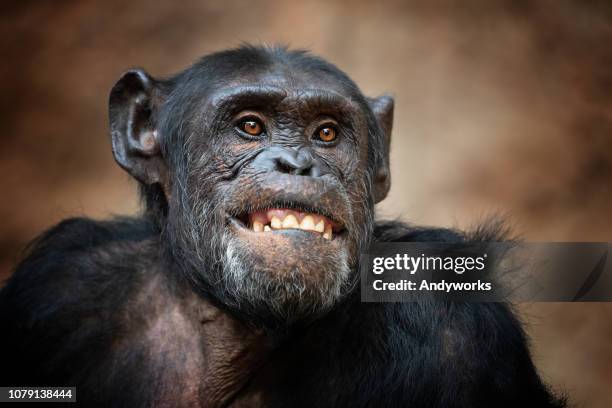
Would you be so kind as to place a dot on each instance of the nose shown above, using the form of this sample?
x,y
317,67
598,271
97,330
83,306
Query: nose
x,y
288,160
297,162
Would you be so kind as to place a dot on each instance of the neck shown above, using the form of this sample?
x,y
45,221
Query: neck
x,y
232,350
208,355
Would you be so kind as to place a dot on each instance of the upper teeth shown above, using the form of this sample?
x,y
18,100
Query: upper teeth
x,y
277,219
290,222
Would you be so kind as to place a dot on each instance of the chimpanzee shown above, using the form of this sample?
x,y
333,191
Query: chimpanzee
x,y
259,168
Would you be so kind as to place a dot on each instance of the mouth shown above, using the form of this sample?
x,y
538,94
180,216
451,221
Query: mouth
x,y
286,218
279,209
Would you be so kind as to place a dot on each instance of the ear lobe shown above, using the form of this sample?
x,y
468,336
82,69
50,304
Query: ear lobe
x,y
135,140
383,111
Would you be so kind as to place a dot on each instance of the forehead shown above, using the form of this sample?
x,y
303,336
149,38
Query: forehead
x,y
293,79
277,68
292,87
254,78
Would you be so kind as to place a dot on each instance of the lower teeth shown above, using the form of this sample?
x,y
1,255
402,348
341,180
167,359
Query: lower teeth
x,y
258,227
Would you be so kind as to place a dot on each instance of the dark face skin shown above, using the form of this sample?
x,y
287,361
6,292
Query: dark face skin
x,y
268,178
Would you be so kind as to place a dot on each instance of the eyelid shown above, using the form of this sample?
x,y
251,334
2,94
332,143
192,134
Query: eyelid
x,y
327,122
249,119
336,128
246,115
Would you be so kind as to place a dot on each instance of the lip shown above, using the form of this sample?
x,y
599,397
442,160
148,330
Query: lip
x,y
321,196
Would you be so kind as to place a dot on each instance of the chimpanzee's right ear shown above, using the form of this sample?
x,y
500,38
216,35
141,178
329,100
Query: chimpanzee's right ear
x,y
133,103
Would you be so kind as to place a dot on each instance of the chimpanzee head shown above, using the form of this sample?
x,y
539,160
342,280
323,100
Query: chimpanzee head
x,y
261,167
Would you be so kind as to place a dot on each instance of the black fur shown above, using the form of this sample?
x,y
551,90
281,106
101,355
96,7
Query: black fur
x,y
60,325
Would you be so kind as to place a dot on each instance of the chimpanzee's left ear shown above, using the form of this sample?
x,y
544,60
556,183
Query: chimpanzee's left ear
x,y
133,102
383,110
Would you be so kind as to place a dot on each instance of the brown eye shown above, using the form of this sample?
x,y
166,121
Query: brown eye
x,y
252,127
327,134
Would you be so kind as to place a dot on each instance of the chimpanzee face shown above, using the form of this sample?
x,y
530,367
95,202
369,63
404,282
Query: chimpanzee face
x,y
269,176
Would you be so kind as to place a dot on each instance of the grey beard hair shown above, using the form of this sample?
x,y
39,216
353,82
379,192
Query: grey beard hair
x,y
288,298
216,262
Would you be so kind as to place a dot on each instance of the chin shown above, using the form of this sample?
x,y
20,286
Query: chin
x,y
288,264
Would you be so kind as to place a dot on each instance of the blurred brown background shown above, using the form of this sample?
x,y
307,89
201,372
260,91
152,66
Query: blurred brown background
x,y
501,107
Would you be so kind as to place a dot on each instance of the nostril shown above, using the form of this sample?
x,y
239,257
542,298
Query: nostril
x,y
297,169
284,167
298,166
304,171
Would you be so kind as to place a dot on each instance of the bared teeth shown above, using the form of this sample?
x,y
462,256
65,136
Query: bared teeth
x,y
276,219
328,232
290,222
320,227
276,223
307,223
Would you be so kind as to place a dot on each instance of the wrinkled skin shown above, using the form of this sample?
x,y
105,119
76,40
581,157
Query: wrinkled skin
x,y
213,175
304,270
